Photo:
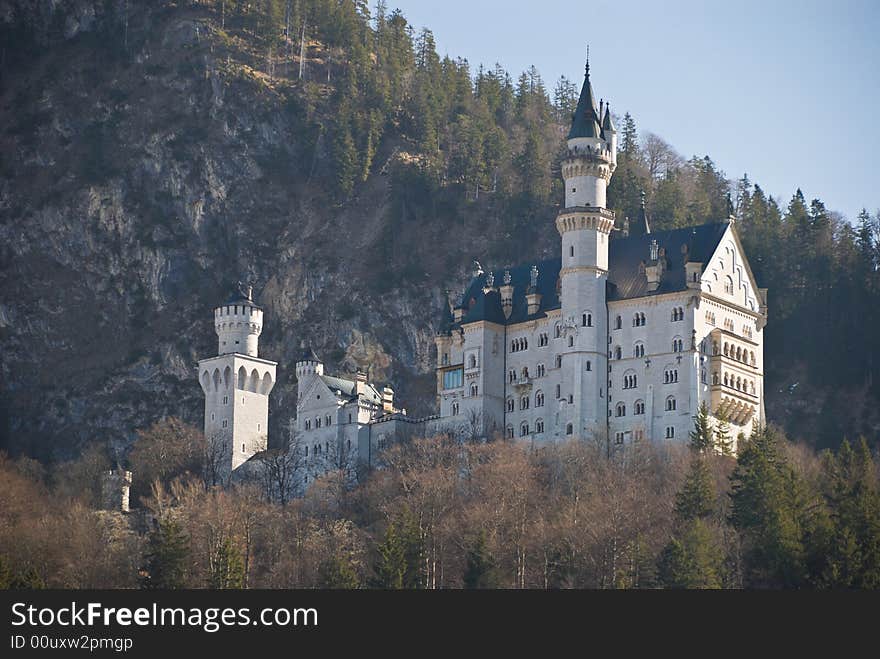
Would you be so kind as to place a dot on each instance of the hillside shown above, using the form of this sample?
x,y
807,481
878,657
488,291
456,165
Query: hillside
x,y
150,158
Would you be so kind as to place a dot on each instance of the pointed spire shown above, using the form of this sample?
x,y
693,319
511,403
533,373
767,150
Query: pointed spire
x,y
641,226
607,122
586,119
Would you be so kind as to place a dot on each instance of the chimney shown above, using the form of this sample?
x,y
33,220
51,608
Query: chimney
x,y
655,266
507,295
360,379
533,297
693,272
387,399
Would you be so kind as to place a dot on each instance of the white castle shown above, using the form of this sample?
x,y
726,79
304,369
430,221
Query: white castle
x,y
620,339
339,423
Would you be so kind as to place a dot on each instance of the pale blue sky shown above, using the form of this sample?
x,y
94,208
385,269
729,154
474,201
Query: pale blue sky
x,y
788,92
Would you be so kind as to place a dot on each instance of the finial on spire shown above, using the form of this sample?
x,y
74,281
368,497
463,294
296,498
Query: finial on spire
x,y
587,67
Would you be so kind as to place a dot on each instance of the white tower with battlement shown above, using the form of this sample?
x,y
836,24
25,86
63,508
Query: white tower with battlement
x,y
585,225
237,384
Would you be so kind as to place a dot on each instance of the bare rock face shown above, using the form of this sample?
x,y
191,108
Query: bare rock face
x,y
147,163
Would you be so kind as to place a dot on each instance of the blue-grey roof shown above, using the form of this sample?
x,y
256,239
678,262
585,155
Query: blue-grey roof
x,y
348,388
626,276
585,122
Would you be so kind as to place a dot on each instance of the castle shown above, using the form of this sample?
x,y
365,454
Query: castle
x,y
338,424
621,339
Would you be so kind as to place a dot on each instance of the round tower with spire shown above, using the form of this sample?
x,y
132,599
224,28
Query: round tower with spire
x,y
238,323
585,225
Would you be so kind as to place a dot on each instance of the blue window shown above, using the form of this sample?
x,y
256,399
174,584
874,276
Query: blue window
x,y
453,379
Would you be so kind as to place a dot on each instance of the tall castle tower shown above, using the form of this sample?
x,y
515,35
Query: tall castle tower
x,y
585,226
236,384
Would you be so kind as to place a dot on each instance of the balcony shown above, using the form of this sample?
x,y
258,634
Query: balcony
x,y
738,406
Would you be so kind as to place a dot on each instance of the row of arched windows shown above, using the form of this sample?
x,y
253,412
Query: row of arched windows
x,y
677,345
519,344
677,314
638,408
670,375
630,381
524,429
524,402
732,351
739,383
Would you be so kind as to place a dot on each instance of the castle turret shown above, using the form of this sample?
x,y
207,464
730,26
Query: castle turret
x,y
238,324
236,384
585,225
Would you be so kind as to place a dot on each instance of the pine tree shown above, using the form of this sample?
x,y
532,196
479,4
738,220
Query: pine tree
x,y
227,566
767,511
629,142
693,561
696,499
336,571
723,439
390,567
702,436
480,570
854,501
167,557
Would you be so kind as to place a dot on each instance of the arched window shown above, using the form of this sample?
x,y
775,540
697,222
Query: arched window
x,y
472,361
569,429
620,409
524,430
571,342
639,407
589,365
639,349
728,285
540,370
618,353
509,432
752,387
557,330
677,344
558,361
739,354
455,409
539,399
474,389
525,372
618,323
539,426
511,405
670,432
571,250
524,403
317,422
308,424
715,377
328,420
670,403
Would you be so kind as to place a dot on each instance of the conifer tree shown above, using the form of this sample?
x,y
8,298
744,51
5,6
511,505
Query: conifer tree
x,y
336,571
702,436
723,439
696,499
227,566
167,557
480,570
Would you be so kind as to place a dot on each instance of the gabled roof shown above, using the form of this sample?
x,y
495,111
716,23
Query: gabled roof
x,y
488,306
626,278
348,389
585,122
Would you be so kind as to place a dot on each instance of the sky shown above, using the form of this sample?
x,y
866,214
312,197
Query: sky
x,y
787,92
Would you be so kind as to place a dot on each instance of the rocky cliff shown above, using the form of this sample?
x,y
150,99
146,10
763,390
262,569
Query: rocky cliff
x,y
148,163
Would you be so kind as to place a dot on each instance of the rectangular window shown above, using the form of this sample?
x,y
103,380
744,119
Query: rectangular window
x,y
453,379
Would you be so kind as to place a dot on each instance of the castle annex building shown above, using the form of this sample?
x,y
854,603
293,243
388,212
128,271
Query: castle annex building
x,y
622,337
338,423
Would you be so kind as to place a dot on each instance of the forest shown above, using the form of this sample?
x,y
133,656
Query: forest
x,y
444,513
367,97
